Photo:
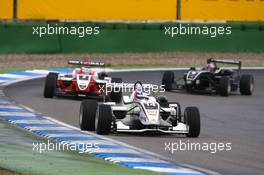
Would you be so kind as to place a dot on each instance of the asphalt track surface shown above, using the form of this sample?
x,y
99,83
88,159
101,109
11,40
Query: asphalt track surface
x,y
236,119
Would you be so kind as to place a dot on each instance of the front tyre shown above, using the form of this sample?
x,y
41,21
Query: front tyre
x,y
224,86
246,85
168,80
50,85
102,75
192,117
103,119
87,115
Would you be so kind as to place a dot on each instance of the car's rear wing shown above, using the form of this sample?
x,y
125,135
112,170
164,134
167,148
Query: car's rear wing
x,y
131,85
238,63
86,63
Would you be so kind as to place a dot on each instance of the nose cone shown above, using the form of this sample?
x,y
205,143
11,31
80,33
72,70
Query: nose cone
x,y
152,117
83,81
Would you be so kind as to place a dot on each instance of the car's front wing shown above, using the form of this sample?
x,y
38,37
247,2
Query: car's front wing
x,y
181,128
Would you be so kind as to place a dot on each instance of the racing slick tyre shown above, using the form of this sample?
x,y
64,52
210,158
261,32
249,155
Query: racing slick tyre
x,y
87,115
50,85
168,80
103,119
246,85
224,86
192,117
116,94
102,75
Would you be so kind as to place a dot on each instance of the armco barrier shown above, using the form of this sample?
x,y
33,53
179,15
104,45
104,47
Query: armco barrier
x,y
121,37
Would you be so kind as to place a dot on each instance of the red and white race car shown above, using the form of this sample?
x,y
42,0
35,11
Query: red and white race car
x,y
82,82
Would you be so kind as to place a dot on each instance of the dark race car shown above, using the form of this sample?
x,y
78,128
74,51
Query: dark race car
x,y
212,79
81,82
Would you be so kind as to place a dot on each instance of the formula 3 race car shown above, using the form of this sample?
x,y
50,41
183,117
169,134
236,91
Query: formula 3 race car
x,y
139,113
82,82
211,79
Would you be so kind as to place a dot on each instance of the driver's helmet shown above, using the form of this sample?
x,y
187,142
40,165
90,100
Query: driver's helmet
x,y
211,66
139,91
86,70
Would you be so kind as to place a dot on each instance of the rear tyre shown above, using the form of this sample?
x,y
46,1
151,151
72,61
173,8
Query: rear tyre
x,y
192,117
103,119
116,94
102,75
168,80
50,85
224,86
246,85
87,115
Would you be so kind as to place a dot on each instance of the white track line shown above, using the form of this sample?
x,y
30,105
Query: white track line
x,y
168,170
111,150
5,103
10,106
19,114
66,135
98,142
126,159
7,83
12,76
32,122
38,71
36,128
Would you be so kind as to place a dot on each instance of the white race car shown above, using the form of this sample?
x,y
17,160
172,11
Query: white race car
x,y
139,113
